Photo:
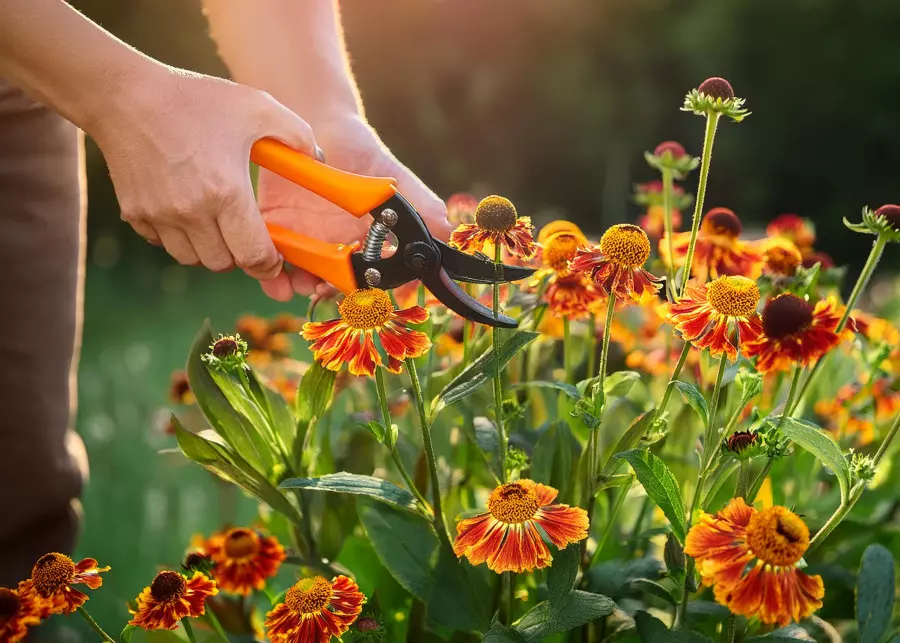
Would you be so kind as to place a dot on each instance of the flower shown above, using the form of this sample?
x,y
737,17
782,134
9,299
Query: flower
x,y
266,341
558,250
715,96
671,155
654,221
555,227
570,296
227,353
823,259
885,221
18,612
750,558
507,537
795,333
461,208
496,222
180,389
799,231
616,265
780,257
52,580
718,250
349,340
314,610
708,315
170,598
243,559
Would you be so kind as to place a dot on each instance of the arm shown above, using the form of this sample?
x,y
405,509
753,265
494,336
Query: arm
x,y
176,143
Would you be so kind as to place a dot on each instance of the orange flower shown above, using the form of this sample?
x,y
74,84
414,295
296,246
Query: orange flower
x,y
781,258
52,580
555,227
557,251
795,229
180,389
496,223
461,208
170,598
243,559
570,296
616,266
315,610
795,333
507,537
349,340
750,558
718,250
18,612
710,314
654,221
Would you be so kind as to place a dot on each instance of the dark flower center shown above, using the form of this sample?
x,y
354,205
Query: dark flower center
x,y
51,573
672,147
892,214
513,503
367,624
240,543
496,213
722,221
740,440
196,560
717,88
168,586
225,347
9,604
785,315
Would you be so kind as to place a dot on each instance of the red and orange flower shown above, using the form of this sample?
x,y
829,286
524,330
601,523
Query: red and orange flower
x,y
243,559
314,610
718,251
720,315
616,265
18,612
461,208
365,314
571,296
508,535
795,333
795,229
170,598
52,582
780,256
496,223
750,559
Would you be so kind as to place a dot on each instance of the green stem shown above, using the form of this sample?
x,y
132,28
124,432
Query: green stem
x,y
508,598
712,120
668,184
213,620
613,514
94,626
744,483
592,344
731,629
386,420
661,409
189,630
498,381
567,351
439,524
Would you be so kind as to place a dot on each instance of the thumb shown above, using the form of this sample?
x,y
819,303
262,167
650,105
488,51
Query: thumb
x,y
431,208
284,125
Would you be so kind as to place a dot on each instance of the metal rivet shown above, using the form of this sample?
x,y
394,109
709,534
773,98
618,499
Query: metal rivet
x,y
389,217
373,277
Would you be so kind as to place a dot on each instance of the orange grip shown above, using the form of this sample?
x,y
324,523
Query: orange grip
x,y
354,193
330,261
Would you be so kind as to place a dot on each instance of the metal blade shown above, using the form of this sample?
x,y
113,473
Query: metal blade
x,y
451,295
477,270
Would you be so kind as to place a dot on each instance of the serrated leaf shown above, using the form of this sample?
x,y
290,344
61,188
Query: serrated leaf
x,y
359,485
652,630
566,388
499,633
820,443
315,392
694,399
875,593
660,485
481,371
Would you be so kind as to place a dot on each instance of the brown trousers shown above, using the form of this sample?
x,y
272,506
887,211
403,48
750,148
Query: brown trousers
x,y
42,214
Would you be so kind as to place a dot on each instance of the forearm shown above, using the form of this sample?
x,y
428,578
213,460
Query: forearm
x,y
66,61
292,49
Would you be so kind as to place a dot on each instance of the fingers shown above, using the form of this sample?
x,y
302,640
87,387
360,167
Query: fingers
x,y
178,245
278,288
147,231
209,245
248,240
281,123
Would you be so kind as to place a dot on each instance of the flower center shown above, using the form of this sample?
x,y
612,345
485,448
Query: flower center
x,y
733,296
496,213
51,573
892,214
9,604
366,308
722,222
785,315
783,259
559,249
626,245
512,503
555,227
716,88
308,596
240,543
225,347
168,586
777,536
740,440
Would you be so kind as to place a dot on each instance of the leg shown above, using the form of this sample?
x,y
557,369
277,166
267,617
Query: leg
x,y
42,463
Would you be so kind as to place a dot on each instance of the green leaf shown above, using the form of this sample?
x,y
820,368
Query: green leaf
x,y
241,400
577,609
652,630
620,383
499,633
315,393
875,593
654,589
660,485
566,388
375,428
555,454
481,371
694,398
629,440
783,635
562,574
359,485
820,443
488,439
460,596
125,636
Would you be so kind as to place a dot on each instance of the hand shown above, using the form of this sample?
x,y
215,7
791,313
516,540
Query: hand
x,y
349,144
178,154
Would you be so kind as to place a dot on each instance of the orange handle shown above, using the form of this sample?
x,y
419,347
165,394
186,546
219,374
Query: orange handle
x,y
354,193
330,261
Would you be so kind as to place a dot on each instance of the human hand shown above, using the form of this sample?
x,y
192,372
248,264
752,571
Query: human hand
x,y
178,154
349,144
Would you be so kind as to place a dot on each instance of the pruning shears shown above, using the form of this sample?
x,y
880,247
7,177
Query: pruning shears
x,y
349,266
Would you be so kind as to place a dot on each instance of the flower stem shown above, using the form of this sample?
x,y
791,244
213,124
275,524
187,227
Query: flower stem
x,y
712,120
439,524
668,185
592,343
661,409
94,626
613,514
498,381
508,597
386,419
189,630
210,616
731,629
567,351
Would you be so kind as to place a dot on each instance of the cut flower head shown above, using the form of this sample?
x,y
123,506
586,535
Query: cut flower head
x,y
314,610
243,559
170,598
366,314
52,582
496,224
616,265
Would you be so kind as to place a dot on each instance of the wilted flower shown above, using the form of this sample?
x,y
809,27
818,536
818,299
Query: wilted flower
x,y
496,223
616,265
18,612
243,559
170,598
52,582
314,610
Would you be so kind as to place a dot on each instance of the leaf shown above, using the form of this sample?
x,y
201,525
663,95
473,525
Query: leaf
x,y
691,394
359,485
125,636
566,388
652,630
654,589
660,485
375,428
488,439
460,596
562,574
629,440
499,633
315,393
480,371
820,444
620,383
242,402
875,593
555,453
577,609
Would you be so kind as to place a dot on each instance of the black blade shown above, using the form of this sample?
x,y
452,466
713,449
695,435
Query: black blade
x,y
451,295
477,270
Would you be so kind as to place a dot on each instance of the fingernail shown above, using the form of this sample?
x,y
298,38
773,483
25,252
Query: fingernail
x,y
320,155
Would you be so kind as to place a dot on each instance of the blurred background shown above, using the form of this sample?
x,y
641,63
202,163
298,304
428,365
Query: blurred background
x,y
551,103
